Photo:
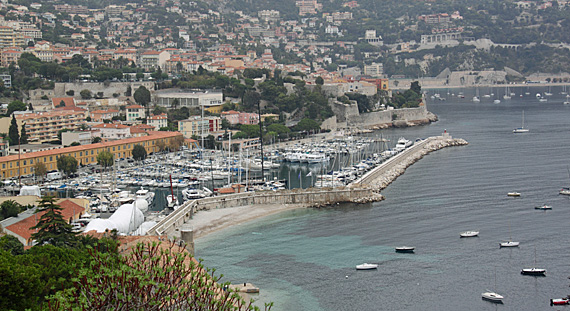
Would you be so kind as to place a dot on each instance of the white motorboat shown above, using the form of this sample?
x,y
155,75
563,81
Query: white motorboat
x,y
145,194
367,266
543,207
476,99
514,194
403,144
405,249
492,296
534,271
172,201
565,191
497,101
509,244
469,234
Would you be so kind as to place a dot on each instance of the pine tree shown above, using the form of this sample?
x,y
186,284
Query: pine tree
x,y
13,134
51,227
23,135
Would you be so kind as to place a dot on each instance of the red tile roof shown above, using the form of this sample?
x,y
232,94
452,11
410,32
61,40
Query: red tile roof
x,y
68,101
134,107
22,227
110,126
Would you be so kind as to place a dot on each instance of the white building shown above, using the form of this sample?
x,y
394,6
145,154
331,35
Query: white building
x,y
158,121
135,112
83,138
111,131
206,99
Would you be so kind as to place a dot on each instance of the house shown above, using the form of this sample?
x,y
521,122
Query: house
x,y
20,226
158,121
111,131
100,115
135,112
196,126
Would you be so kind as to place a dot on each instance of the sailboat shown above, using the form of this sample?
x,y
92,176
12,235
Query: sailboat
x,y
521,129
534,271
510,242
507,96
493,296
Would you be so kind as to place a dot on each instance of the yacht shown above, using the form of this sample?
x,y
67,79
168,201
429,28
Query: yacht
x,y
476,99
521,129
509,244
405,249
367,266
145,194
492,296
497,101
469,234
403,144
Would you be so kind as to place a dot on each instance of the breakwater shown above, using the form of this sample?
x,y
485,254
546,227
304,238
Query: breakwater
x,y
313,197
384,174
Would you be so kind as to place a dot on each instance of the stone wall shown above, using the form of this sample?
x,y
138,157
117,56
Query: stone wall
x,y
108,89
310,197
406,116
342,111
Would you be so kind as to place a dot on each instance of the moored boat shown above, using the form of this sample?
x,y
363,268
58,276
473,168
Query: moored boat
x,y
534,271
559,301
565,191
492,296
405,249
543,207
514,194
367,266
469,234
509,244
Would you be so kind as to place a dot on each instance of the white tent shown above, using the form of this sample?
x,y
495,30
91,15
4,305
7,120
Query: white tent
x,y
30,190
143,229
126,219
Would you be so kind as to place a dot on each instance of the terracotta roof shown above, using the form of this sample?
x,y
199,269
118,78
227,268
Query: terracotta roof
x,y
32,155
104,111
143,126
110,126
151,53
136,130
22,227
47,114
68,101
134,107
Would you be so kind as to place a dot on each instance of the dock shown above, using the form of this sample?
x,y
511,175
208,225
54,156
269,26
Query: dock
x,y
384,174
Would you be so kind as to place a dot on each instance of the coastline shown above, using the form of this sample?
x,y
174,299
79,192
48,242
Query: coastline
x,y
443,87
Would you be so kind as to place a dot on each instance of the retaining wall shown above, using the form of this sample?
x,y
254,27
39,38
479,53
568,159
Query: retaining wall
x,y
310,197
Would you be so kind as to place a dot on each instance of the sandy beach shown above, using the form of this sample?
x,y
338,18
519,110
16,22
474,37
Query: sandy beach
x,y
206,222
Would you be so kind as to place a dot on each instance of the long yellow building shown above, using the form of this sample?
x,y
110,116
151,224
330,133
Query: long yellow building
x,y
85,154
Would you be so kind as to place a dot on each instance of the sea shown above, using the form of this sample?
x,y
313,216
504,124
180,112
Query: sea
x,y
305,259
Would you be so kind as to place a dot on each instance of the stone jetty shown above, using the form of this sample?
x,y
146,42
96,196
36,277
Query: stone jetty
x,y
380,177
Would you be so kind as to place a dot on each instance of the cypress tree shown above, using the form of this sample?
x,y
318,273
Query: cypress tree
x,y
13,134
23,135
51,227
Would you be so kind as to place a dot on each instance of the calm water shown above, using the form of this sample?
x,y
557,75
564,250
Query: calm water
x,y
301,259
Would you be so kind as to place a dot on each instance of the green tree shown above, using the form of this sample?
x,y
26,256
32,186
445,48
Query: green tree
x,y
416,87
40,169
11,244
139,153
23,135
51,227
307,124
319,81
142,96
9,208
67,164
96,140
105,159
86,94
20,283
175,281
16,106
13,134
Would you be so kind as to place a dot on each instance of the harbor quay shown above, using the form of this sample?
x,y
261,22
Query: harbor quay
x,y
384,174
366,189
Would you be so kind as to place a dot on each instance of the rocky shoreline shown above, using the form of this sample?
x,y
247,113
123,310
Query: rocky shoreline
x,y
386,178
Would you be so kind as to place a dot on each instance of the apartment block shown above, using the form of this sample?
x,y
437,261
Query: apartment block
x,y
196,126
43,126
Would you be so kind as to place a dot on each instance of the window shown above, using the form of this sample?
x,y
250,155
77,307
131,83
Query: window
x,y
51,158
91,152
31,161
3,165
24,162
81,153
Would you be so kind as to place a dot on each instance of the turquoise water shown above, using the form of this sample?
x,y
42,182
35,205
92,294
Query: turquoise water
x,y
305,259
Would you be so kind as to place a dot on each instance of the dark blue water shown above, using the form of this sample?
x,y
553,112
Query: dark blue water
x,y
301,259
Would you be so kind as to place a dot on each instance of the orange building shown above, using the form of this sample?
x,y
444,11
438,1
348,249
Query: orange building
x,y
14,165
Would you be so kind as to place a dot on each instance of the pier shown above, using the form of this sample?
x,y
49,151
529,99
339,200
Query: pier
x,y
384,174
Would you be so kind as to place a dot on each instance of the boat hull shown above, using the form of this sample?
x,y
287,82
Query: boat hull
x,y
405,249
509,244
492,297
559,301
534,272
